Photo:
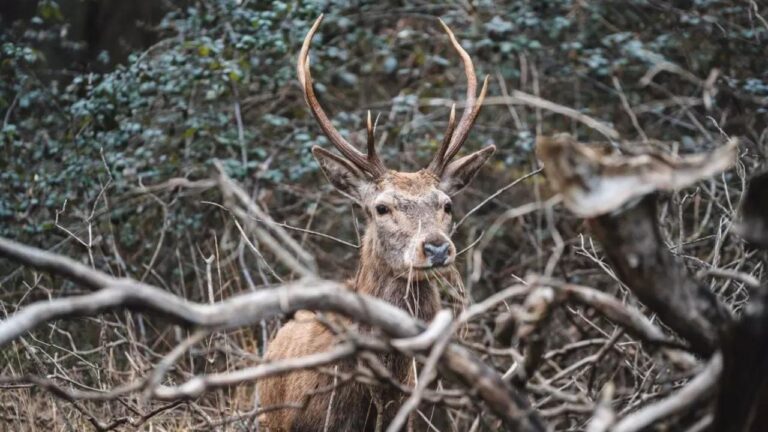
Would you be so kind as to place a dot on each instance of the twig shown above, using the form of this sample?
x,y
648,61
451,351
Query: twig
x,y
521,98
441,337
493,196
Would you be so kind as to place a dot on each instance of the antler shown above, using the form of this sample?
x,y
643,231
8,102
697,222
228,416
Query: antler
x,y
456,135
369,163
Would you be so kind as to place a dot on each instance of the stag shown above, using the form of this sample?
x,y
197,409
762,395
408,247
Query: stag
x,y
406,254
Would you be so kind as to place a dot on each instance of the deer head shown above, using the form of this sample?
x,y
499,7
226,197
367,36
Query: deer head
x,y
408,213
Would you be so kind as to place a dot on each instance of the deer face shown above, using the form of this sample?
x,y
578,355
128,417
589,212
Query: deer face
x,y
409,214
410,222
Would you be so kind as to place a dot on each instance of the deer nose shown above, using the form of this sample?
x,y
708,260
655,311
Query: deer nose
x,y
436,252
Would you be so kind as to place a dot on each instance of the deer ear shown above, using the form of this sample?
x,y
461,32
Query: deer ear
x,y
344,176
459,173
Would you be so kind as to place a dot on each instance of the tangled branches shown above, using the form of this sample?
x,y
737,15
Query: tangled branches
x,y
541,384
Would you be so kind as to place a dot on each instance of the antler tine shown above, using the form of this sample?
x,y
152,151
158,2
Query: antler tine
x,y
469,67
472,107
437,162
373,157
371,135
467,121
352,154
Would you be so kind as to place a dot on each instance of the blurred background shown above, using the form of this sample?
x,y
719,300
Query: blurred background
x,y
113,111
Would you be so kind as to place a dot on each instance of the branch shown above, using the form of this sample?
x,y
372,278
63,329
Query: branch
x,y
293,255
441,336
522,98
626,316
200,384
54,263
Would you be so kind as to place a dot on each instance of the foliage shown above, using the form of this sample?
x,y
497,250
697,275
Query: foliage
x,y
170,110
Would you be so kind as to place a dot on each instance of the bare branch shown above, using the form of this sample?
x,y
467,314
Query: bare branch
x,y
522,98
440,323
628,317
440,334
200,384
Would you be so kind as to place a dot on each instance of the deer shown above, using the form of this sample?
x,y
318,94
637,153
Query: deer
x,y
405,251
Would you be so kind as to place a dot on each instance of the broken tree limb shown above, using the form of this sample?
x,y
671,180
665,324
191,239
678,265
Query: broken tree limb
x,y
594,183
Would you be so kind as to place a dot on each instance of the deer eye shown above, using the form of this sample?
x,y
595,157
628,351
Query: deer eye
x,y
448,207
382,209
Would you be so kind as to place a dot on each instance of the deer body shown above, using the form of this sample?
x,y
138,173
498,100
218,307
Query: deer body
x,y
406,254
304,335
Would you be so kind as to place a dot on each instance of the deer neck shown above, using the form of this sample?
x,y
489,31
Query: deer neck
x,y
374,277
